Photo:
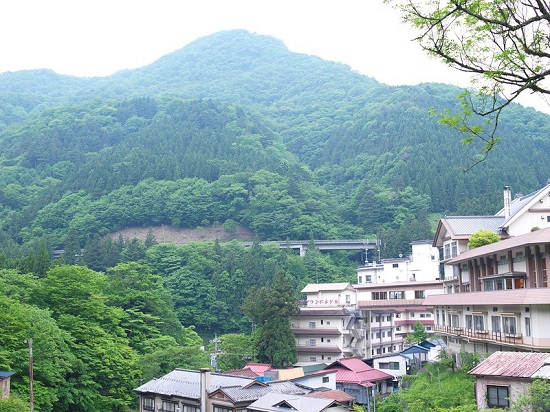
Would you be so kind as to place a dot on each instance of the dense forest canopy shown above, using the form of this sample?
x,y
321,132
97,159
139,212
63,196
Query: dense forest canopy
x,y
231,131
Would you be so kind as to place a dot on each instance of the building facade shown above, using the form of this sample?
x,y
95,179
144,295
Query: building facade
x,y
500,300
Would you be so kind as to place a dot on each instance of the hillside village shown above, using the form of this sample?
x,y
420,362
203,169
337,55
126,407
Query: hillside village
x,y
150,215
350,338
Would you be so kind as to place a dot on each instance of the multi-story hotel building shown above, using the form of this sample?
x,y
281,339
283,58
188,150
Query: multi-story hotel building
x,y
370,318
496,296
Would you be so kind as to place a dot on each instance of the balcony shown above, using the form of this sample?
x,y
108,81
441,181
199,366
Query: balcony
x,y
481,335
316,331
317,349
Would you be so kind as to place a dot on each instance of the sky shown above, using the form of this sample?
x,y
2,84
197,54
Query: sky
x,y
100,37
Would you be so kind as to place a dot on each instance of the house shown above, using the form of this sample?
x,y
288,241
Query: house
x,y
502,300
193,391
277,402
395,364
503,376
356,378
5,378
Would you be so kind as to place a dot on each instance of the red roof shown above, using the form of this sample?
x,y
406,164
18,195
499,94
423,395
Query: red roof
x,y
337,395
251,370
354,370
512,364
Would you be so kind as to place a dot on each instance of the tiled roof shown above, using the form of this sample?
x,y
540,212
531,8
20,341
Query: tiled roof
x,y
512,364
335,394
354,370
250,369
519,203
253,392
464,226
186,383
538,296
537,237
276,402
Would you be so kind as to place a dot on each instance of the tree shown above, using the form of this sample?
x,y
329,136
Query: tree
x,y
271,309
418,334
482,237
502,43
535,398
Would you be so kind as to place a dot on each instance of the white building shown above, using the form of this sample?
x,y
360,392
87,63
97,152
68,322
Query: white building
x,y
501,300
422,264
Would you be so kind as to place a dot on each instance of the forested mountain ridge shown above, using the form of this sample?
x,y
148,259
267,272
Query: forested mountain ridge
x,y
332,139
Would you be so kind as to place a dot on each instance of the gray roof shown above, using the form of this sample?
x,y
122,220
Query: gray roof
x,y
519,203
256,391
186,383
275,402
467,225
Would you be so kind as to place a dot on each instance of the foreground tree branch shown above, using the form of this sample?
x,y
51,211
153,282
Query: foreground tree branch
x,y
504,44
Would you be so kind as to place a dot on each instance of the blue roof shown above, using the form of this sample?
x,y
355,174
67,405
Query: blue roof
x,y
5,374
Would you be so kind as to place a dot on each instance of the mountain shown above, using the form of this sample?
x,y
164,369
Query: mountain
x,y
234,126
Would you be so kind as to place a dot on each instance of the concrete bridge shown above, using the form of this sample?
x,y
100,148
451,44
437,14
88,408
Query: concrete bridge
x,y
353,244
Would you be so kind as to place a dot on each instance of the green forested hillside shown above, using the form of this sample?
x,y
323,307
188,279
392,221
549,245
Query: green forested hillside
x,y
231,130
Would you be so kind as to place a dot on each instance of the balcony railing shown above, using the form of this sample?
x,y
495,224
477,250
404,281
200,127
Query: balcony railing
x,y
487,335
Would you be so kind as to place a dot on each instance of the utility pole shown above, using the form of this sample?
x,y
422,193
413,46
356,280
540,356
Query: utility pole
x,y
31,383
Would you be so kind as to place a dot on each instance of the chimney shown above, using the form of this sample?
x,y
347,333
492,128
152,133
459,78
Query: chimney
x,y
507,202
204,386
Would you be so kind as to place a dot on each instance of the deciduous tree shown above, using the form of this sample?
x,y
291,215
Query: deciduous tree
x,y
502,43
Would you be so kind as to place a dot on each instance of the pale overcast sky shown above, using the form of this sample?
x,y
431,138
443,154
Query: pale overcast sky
x,y
101,37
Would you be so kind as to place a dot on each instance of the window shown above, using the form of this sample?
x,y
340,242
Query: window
x,y
325,379
527,326
328,322
454,249
312,342
479,323
397,295
148,404
447,251
360,280
368,279
220,409
455,321
509,325
389,365
388,318
313,359
497,396
168,406
189,408
419,294
312,325
379,295
495,324
395,265
348,298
